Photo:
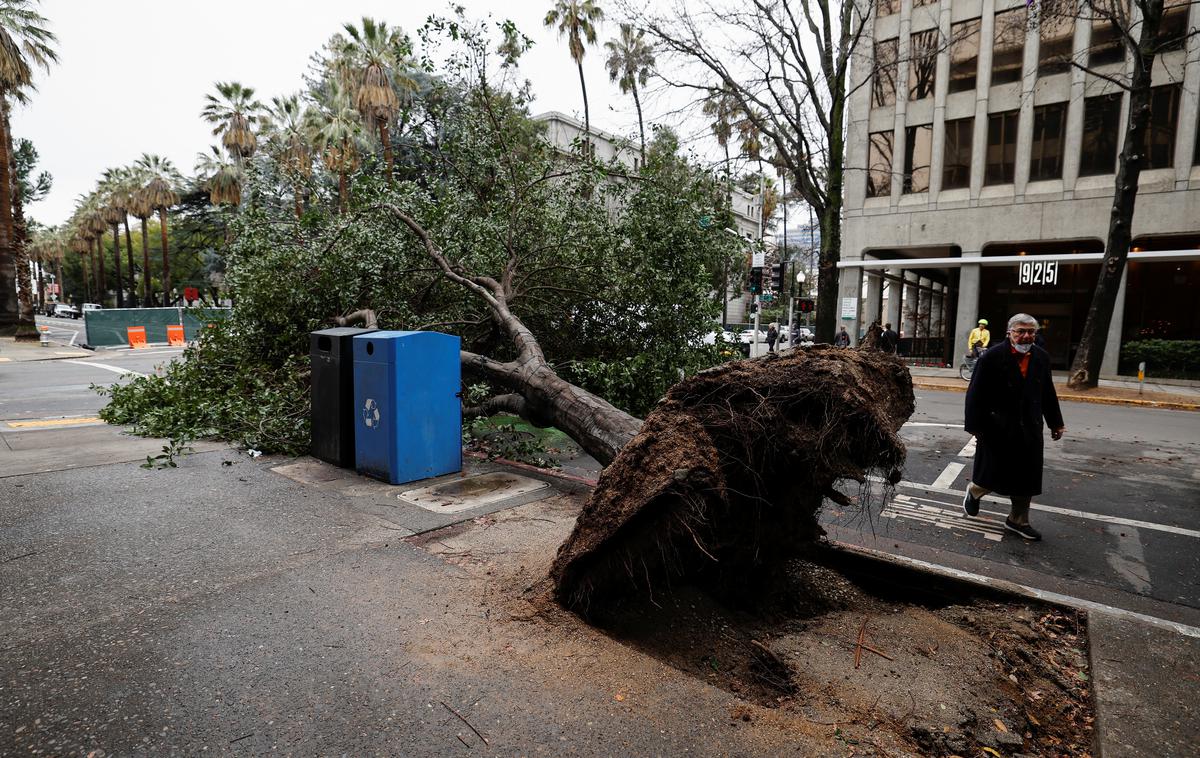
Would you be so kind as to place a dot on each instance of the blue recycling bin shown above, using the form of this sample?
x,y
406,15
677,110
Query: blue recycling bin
x,y
408,416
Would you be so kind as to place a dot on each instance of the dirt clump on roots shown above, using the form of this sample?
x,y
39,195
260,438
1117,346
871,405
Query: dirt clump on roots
x,y
724,482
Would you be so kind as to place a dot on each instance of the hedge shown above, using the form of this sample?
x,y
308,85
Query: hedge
x,y
1175,359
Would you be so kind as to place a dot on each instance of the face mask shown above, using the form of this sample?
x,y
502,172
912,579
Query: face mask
x,y
1021,348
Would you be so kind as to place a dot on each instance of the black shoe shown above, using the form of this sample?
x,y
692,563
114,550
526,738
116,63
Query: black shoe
x,y
970,504
1025,530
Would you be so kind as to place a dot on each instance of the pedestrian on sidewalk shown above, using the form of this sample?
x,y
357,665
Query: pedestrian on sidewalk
x,y
772,337
842,339
1011,392
889,339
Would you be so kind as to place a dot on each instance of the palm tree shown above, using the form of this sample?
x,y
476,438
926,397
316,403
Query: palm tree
x,y
722,107
25,43
158,192
82,246
577,21
289,144
234,111
222,178
371,64
336,128
630,59
118,185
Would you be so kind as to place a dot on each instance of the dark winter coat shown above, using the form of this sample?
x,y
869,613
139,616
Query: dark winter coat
x,y
1004,412
888,341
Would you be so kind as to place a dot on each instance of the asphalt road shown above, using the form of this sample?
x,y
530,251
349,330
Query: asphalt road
x,y
1120,511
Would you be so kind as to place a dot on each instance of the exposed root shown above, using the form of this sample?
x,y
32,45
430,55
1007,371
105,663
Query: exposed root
x,y
727,475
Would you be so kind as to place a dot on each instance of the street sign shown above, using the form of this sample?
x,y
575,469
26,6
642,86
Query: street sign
x,y
849,307
190,294
52,288
758,259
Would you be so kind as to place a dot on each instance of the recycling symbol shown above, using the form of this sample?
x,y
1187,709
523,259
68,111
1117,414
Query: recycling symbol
x,y
370,413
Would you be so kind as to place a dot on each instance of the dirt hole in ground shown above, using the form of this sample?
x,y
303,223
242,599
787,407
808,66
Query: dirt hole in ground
x,y
943,669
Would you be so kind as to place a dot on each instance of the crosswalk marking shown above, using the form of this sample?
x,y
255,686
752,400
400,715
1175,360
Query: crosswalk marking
x,y
903,506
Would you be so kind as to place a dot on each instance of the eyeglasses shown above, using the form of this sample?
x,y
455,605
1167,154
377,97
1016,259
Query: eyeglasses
x,y
1024,331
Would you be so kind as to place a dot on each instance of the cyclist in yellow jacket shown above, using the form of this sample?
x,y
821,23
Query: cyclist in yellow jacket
x,y
979,334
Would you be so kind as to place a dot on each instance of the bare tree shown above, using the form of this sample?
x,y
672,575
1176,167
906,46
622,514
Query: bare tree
x,y
787,65
1136,34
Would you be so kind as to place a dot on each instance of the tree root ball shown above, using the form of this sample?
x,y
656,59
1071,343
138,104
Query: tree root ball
x,y
725,480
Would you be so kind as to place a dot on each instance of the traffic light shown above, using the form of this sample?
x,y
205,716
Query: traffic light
x,y
756,280
778,276
805,305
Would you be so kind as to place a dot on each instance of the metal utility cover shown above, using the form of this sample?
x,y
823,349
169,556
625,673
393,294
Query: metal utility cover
x,y
472,492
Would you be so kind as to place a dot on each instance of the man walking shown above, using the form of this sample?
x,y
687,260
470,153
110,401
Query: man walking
x,y
889,339
1011,392
841,339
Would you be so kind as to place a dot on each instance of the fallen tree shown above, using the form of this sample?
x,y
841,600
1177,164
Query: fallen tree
x,y
726,478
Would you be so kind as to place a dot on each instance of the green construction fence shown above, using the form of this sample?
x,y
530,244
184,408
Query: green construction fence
x,y
108,327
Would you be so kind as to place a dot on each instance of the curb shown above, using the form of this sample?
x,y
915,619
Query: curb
x,y
1159,404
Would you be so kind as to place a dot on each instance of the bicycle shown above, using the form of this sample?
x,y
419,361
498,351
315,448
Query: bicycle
x,y
967,368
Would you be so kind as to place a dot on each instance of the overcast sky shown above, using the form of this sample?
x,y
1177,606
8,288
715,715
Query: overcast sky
x,y
132,74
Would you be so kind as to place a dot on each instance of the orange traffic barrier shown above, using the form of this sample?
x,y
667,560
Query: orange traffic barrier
x,y
175,335
137,336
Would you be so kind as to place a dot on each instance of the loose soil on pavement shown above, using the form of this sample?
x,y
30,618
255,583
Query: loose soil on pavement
x,y
940,669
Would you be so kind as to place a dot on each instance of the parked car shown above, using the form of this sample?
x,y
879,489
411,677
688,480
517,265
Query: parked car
x,y
92,307
66,310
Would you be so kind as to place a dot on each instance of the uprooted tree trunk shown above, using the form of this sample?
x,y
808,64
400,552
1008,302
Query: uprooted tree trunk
x,y
726,478
533,390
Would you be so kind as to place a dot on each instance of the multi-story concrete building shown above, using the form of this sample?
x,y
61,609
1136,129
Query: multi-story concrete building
x,y
981,167
562,131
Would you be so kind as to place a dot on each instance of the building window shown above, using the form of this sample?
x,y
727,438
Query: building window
x,y
1008,47
1001,148
1049,126
1057,33
956,169
918,150
1160,132
879,165
1107,45
883,91
1173,29
964,55
1101,125
922,64
887,7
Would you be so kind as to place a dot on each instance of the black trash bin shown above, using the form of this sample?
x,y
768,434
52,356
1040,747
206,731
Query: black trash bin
x,y
331,353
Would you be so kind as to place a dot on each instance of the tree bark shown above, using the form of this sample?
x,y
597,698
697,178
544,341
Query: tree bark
x,y
599,427
145,263
637,103
166,259
116,233
101,281
1085,369
27,323
587,119
9,307
386,138
133,298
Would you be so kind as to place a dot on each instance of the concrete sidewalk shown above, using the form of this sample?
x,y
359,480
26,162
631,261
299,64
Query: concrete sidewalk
x,y
16,352
1181,395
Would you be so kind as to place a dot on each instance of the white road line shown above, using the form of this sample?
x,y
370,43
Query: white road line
x,y
930,423
947,477
1053,597
968,450
1062,511
107,367
903,507
1129,560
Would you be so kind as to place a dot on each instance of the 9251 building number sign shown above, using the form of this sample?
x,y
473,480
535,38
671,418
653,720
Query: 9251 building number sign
x,y
1038,272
